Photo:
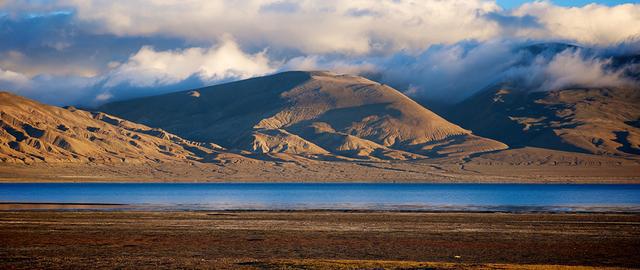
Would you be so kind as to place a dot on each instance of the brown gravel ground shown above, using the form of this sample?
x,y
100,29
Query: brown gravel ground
x,y
316,240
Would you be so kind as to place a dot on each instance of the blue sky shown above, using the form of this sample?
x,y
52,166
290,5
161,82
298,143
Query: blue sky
x,y
568,3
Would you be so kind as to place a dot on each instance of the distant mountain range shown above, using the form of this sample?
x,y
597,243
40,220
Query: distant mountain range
x,y
577,118
325,117
597,121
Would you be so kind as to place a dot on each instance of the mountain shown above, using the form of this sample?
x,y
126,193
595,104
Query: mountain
x,y
592,120
46,143
34,132
317,114
600,121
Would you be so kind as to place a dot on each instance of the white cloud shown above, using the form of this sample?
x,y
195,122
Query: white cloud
x,y
149,67
591,24
146,72
450,73
319,62
571,69
312,27
453,73
11,79
351,27
104,97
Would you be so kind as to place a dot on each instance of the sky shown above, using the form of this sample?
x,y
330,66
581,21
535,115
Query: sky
x,y
84,52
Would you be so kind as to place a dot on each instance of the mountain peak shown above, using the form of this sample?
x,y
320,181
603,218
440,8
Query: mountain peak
x,y
282,113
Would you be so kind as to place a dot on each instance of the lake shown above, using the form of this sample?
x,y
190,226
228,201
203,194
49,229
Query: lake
x,y
352,196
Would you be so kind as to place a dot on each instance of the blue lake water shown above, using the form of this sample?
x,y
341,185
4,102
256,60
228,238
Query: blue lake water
x,y
357,196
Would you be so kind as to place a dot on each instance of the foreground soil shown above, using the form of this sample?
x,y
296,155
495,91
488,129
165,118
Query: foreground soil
x,y
317,240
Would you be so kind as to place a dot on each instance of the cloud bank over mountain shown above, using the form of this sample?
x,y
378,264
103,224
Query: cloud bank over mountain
x,y
452,73
88,52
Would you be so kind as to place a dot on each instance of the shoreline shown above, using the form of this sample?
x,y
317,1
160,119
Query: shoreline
x,y
563,181
133,181
9,206
37,206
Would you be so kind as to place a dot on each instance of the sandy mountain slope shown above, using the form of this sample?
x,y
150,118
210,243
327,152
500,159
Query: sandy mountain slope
x,y
597,121
33,132
318,114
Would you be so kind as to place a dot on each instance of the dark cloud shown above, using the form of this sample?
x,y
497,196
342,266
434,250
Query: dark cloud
x,y
281,7
514,22
54,43
356,12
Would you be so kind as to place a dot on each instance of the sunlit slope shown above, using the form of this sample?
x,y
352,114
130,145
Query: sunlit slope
x,y
309,113
593,120
34,132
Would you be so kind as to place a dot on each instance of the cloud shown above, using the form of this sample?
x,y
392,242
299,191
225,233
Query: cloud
x,y
148,67
573,69
357,12
514,26
147,71
329,63
12,80
451,73
282,6
350,27
87,52
54,43
311,27
57,90
445,73
526,21
591,24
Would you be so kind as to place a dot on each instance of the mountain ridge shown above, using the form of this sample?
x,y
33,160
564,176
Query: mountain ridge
x,y
586,120
294,112
34,132
78,145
